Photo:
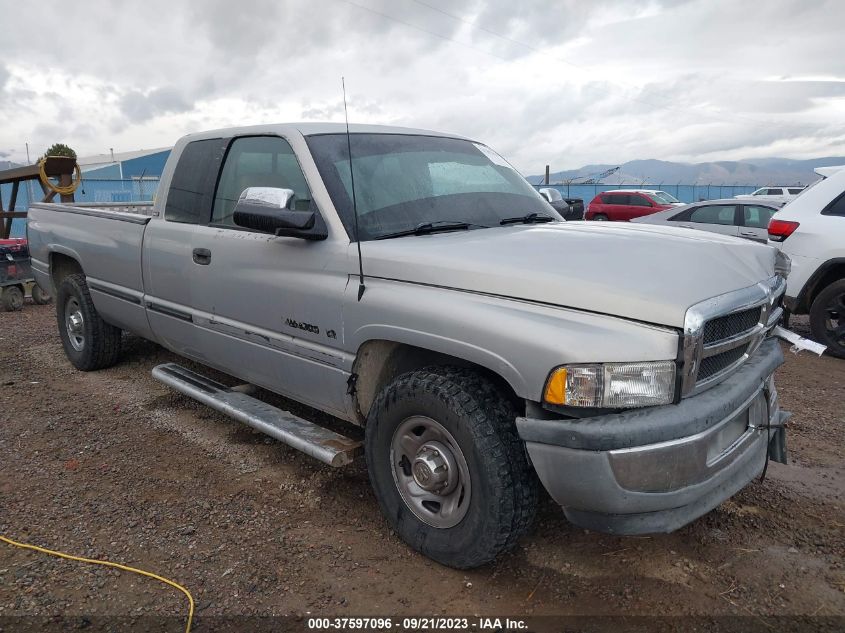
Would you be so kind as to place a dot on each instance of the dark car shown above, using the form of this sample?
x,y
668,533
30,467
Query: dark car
x,y
569,208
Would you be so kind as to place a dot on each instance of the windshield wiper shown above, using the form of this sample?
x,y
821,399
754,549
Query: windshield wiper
x,y
426,228
531,218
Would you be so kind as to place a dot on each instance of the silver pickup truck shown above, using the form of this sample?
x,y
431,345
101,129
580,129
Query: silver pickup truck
x,y
425,291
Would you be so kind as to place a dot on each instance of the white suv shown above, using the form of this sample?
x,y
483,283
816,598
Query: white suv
x,y
775,193
811,230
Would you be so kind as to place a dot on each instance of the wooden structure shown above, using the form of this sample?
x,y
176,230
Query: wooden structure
x,y
62,169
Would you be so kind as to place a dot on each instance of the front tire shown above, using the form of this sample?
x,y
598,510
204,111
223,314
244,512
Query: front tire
x,y
827,318
90,343
447,466
599,217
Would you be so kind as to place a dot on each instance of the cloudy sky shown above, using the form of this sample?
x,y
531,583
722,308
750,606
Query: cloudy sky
x,y
563,82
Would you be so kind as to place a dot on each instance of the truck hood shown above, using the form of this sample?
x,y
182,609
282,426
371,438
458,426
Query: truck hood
x,y
643,272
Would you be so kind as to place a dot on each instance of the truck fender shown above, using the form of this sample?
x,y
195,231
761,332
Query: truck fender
x,y
516,342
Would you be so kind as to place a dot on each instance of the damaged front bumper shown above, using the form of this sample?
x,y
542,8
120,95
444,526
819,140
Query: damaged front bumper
x,y
655,470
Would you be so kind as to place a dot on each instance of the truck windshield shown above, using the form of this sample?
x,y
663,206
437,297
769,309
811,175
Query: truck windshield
x,y
403,181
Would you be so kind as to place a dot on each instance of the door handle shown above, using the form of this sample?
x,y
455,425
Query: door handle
x,y
202,256
748,233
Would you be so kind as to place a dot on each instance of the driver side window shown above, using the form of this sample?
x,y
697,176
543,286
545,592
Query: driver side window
x,y
258,161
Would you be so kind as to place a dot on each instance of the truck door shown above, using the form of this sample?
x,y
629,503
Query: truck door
x,y
268,309
167,260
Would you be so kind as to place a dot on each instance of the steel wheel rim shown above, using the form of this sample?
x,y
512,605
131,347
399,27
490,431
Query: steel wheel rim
x,y
420,443
75,324
834,319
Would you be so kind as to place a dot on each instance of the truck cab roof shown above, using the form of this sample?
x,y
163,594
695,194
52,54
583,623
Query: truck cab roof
x,y
313,129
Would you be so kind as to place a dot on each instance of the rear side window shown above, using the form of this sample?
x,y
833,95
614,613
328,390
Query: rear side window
x,y
837,207
757,216
616,198
192,187
795,192
714,214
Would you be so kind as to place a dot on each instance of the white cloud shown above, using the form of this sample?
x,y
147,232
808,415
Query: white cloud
x,y
564,83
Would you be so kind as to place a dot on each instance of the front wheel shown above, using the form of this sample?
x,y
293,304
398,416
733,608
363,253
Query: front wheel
x,y
599,217
447,466
90,343
827,318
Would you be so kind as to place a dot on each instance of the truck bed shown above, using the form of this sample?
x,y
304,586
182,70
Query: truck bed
x,y
106,240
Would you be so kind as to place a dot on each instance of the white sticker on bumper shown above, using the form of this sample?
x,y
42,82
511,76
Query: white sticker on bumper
x,y
799,342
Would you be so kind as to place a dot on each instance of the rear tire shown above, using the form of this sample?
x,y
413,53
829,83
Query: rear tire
x,y
488,497
827,318
12,299
40,296
90,343
599,217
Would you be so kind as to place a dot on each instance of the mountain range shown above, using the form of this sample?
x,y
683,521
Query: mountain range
x,y
757,172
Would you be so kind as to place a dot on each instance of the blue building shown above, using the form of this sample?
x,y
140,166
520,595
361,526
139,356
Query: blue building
x,y
112,177
141,163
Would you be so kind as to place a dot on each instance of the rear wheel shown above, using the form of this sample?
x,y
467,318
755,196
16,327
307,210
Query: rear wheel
x,y
827,318
12,299
600,217
90,343
40,296
448,468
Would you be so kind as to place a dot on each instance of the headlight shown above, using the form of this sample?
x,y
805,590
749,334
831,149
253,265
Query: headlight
x,y
612,385
783,265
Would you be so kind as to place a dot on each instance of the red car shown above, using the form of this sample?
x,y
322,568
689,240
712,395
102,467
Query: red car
x,y
625,204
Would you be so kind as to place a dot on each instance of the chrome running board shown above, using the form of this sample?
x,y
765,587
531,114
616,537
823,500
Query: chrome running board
x,y
321,443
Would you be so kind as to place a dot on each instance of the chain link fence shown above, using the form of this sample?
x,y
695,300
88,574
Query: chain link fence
x,y
90,190
683,192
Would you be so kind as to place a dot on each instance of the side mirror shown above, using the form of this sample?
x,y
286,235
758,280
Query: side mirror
x,y
268,209
545,193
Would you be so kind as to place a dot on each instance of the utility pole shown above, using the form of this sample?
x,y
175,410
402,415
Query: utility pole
x,y
547,175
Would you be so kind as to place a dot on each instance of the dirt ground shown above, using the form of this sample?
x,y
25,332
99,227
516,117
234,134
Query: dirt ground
x,y
114,465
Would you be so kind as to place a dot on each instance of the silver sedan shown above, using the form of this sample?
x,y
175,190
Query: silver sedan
x,y
729,216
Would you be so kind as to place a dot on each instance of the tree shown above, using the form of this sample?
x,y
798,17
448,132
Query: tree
x,y
60,149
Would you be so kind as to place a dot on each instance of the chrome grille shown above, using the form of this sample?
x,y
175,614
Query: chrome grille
x,y
722,332
712,365
730,325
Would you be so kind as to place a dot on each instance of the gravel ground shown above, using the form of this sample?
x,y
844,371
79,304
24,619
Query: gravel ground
x,y
112,464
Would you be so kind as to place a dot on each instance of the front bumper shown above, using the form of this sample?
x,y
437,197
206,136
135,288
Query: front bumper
x,y
655,470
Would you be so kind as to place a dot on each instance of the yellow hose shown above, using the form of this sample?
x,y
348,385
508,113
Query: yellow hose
x,y
59,189
106,563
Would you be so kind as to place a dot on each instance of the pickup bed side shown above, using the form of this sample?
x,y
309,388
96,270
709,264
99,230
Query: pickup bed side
x,y
102,241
